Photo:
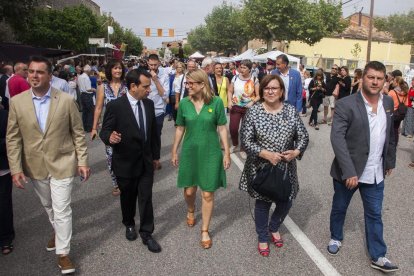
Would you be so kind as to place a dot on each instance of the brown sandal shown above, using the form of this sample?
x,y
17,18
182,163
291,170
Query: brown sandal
x,y
191,221
208,243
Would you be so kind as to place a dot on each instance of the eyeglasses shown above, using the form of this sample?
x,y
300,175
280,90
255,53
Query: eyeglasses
x,y
191,83
335,68
273,89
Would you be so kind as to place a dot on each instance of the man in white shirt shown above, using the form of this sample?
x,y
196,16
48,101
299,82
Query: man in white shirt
x,y
364,153
87,98
159,90
60,84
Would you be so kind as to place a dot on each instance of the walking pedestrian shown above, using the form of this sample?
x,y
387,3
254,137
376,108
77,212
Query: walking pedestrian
x,y
364,153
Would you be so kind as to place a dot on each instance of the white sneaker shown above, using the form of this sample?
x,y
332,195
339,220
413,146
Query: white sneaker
x,y
233,149
243,155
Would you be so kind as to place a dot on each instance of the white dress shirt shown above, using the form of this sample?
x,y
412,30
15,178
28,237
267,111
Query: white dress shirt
x,y
84,83
159,102
134,107
285,79
373,172
60,84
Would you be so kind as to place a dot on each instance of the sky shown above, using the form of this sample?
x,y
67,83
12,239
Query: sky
x,y
184,15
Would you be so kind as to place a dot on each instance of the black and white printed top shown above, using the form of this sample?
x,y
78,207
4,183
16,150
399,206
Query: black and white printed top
x,y
274,132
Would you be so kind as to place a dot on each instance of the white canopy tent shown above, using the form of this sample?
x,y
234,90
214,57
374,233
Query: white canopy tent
x,y
293,61
197,55
222,59
248,54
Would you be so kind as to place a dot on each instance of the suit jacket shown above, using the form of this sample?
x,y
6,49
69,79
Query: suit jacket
x,y
4,99
133,155
350,137
294,95
56,152
4,165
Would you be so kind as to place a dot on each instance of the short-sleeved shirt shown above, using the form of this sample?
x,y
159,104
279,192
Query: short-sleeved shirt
x,y
243,90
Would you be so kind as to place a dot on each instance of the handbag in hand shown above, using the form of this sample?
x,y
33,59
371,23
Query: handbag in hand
x,y
272,182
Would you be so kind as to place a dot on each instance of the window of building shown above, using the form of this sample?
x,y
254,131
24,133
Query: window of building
x,y
329,62
352,64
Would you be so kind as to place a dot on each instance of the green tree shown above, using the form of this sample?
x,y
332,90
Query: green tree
x,y
225,29
135,44
401,26
102,30
69,28
199,39
289,20
17,13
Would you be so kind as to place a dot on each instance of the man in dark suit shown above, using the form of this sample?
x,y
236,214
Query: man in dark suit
x,y
292,80
6,206
270,66
130,127
364,145
6,72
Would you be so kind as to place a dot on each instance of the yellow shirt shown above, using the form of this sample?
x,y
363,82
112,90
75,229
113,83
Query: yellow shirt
x,y
222,90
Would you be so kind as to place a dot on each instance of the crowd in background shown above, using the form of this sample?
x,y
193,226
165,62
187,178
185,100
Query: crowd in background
x,y
189,93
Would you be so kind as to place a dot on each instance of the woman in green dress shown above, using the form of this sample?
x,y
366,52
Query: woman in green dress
x,y
202,163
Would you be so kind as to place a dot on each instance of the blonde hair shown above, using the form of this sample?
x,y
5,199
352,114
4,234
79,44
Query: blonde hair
x,y
182,65
200,76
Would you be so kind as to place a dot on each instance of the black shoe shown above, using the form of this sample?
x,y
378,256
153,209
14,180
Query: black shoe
x,y
152,244
384,265
130,233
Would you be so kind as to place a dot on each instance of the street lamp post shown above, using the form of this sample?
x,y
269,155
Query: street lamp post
x,y
371,19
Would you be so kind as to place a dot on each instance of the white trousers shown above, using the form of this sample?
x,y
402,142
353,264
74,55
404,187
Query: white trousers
x,y
55,196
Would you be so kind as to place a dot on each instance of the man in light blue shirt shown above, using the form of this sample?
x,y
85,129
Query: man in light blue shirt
x,y
159,90
60,84
41,105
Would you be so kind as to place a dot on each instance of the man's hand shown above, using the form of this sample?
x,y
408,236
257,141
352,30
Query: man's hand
x,y
388,172
154,75
115,137
84,172
19,179
156,164
352,182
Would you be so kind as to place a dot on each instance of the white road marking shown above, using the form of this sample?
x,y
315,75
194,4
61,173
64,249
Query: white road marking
x,y
316,256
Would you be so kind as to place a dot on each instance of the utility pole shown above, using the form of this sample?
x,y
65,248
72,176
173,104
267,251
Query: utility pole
x,y
371,20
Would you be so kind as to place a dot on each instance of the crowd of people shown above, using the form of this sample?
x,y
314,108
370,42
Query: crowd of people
x,y
46,113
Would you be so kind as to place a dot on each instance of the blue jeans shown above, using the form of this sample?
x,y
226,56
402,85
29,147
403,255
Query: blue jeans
x,y
372,196
261,213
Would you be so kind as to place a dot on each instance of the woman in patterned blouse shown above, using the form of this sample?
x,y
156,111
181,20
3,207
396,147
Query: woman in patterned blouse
x,y
272,132
113,88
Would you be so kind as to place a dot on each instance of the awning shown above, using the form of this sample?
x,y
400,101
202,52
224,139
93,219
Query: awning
x,y
20,52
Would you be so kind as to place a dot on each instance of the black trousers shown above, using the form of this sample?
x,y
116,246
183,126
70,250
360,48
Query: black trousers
x,y
314,115
6,210
137,188
88,109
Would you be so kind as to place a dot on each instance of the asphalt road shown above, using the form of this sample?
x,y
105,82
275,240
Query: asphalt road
x,y
99,246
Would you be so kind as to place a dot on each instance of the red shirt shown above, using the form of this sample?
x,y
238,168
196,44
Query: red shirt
x,y
17,84
410,94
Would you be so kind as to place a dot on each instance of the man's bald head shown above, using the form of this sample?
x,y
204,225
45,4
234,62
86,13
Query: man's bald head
x,y
20,69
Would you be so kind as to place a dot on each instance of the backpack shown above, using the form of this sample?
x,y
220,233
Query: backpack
x,y
401,110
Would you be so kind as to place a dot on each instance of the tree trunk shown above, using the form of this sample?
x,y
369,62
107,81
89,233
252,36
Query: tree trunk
x,y
269,44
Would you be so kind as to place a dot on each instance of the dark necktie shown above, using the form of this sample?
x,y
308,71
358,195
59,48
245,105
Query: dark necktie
x,y
141,120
